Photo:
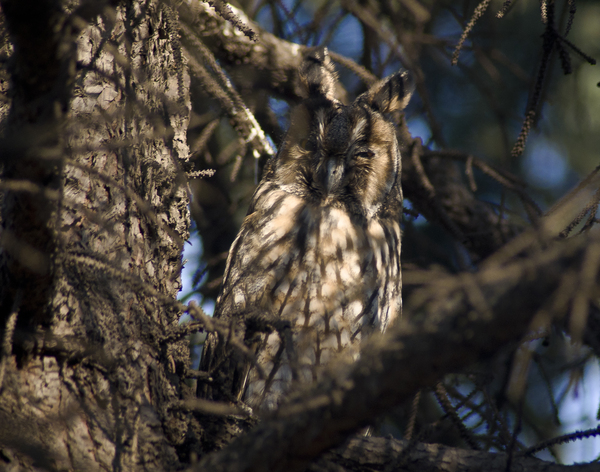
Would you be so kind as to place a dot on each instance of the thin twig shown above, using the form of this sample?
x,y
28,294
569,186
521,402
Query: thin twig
x,y
9,331
442,397
226,12
412,420
478,13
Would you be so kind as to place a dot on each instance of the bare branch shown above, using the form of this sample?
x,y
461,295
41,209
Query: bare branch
x,y
380,454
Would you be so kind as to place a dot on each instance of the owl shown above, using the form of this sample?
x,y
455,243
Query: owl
x,y
315,267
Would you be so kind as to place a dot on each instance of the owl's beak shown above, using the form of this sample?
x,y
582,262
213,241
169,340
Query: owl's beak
x,y
334,174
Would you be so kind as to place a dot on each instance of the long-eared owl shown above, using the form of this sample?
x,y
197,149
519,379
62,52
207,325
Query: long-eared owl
x,y
316,265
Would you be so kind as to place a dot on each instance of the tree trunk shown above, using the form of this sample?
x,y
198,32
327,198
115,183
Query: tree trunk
x,y
91,377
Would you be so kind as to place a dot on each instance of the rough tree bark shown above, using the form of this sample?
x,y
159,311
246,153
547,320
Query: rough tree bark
x,y
102,212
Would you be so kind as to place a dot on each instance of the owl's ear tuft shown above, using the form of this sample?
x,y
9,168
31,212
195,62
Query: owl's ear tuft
x,y
390,94
317,74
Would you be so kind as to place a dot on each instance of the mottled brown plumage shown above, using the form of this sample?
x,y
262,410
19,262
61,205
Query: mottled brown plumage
x,y
316,265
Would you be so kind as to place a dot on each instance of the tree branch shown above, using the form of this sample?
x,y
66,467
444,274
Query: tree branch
x,y
380,454
448,324
269,63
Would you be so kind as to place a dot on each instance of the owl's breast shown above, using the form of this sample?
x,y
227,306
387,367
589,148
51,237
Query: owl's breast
x,y
334,277
316,265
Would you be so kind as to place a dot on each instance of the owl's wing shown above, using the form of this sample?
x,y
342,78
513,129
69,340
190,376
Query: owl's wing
x,y
224,357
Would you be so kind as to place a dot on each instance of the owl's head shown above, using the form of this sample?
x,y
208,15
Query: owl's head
x,y
343,155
